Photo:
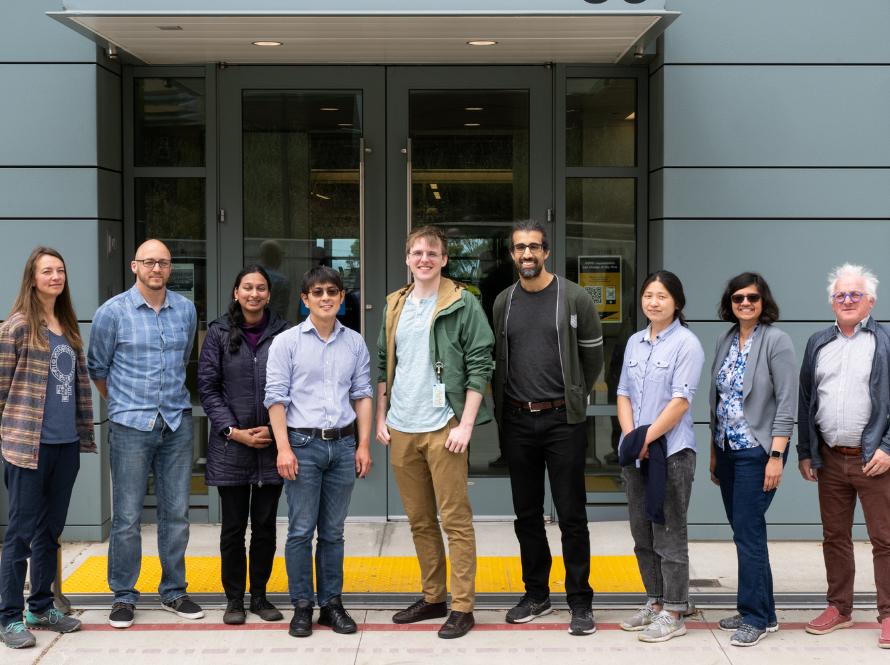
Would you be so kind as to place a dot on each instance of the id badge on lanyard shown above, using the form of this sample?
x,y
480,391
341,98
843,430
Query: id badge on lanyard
x,y
439,387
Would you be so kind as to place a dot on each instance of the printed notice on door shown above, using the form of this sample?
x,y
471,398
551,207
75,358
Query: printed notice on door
x,y
601,278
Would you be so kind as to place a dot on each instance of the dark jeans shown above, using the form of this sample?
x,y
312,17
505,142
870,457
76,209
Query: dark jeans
x,y
663,549
259,504
534,442
740,473
841,480
38,506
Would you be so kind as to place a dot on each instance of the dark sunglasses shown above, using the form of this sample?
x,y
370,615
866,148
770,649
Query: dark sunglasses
x,y
752,298
318,292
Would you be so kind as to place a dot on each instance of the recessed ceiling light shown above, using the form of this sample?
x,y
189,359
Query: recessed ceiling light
x,y
344,124
471,124
434,186
266,42
632,116
328,108
473,108
481,42
437,196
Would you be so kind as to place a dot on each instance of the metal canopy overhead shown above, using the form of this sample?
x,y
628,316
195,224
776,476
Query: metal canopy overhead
x,y
164,32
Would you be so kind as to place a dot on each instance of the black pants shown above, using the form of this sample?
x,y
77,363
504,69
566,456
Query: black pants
x,y
38,506
260,505
533,442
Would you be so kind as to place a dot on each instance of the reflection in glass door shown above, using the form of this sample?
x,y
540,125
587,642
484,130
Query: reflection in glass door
x,y
470,141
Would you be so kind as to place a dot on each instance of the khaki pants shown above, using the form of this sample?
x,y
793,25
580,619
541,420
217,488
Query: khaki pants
x,y
431,478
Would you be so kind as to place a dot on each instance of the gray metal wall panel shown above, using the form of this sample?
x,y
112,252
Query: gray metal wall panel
x,y
75,239
776,116
50,192
795,256
48,116
108,119
709,332
818,31
656,120
27,34
109,195
800,193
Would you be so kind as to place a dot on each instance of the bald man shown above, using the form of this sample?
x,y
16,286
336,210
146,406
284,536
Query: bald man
x,y
140,343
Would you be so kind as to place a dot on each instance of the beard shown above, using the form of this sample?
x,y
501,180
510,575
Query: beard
x,y
531,272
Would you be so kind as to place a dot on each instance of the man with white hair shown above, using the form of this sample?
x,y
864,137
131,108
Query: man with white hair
x,y
844,441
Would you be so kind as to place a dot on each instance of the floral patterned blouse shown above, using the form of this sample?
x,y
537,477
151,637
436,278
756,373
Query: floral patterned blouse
x,y
731,423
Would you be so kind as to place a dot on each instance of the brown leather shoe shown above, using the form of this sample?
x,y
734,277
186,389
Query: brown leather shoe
x,y
421,611
457,625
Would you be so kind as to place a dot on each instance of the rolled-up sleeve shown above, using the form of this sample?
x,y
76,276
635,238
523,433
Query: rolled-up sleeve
x,y
687,369
624,382
278,372
361,377
102,341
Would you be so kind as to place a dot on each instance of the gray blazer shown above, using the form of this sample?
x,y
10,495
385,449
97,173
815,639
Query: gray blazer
x,y
770,384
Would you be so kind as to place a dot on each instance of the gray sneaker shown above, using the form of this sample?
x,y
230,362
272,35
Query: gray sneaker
x,y
733,623
16,636
527,609
53,620
663,628
639,619
747,636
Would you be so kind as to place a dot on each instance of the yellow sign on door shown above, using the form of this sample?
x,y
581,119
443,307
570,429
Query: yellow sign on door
x,y
601,277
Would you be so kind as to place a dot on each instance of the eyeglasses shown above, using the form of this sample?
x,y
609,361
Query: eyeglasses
x,y
841,296
533,247
163,264
318,292
752,298
417,255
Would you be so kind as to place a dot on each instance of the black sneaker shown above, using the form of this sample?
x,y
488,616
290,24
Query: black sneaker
x,y
457,625
421,611
301,624
122,615
336,618
527,609
184,607
234,614
583,622
265,610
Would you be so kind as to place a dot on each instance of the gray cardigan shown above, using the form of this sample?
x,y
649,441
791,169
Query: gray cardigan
x,y
770,384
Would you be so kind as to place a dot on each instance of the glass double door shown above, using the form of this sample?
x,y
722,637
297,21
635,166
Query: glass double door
x,y
334,166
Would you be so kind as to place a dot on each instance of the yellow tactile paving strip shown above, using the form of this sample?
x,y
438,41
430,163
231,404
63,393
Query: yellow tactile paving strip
x,y
494,574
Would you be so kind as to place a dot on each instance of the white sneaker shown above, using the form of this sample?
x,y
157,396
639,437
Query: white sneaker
x,y
639,619
663,628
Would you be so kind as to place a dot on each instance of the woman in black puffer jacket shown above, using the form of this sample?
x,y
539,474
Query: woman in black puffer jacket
x,y
240,453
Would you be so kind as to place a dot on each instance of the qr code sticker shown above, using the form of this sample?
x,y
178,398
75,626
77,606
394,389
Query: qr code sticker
x,y
596,292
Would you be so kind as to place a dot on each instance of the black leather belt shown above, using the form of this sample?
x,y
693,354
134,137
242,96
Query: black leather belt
x,y
535,407
330,434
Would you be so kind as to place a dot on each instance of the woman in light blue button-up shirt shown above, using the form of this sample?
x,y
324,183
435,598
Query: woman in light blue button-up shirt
x,y
661,370
753,399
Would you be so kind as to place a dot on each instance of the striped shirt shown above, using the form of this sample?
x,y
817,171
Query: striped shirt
x,y
23,375
142,355
315,379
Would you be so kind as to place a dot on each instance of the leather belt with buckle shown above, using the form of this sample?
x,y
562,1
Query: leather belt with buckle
x,y
849,451
536,407
330,434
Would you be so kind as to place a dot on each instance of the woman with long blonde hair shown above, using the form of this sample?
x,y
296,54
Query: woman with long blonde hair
x,y
46,421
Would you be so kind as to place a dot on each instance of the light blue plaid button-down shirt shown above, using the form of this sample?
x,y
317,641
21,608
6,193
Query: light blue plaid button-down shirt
x,y
142,355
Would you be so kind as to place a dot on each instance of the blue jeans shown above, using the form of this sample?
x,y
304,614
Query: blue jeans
x,y
38,506
740,473
167,454
318,499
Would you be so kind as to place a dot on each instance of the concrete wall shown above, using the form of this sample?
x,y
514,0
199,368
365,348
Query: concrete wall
x,y
769,151
60,185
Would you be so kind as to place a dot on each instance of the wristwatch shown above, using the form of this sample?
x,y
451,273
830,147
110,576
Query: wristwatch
x,y
776,453
227,432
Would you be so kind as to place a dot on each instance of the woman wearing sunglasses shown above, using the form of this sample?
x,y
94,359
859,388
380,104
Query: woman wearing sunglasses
x,y
240,453
659,376
753,401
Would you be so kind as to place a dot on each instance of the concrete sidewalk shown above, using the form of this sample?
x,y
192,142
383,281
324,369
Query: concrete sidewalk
x,y
159,636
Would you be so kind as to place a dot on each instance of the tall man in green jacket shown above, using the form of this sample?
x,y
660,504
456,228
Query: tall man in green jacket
x,y
434,362
549,353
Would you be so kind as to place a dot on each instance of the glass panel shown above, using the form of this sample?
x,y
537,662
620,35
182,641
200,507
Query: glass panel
x,y
601,256
470,159
172,210
169,122
601,122
301,153
602,473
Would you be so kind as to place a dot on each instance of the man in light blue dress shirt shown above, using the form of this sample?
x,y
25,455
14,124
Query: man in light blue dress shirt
x,y
140,345
318,392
